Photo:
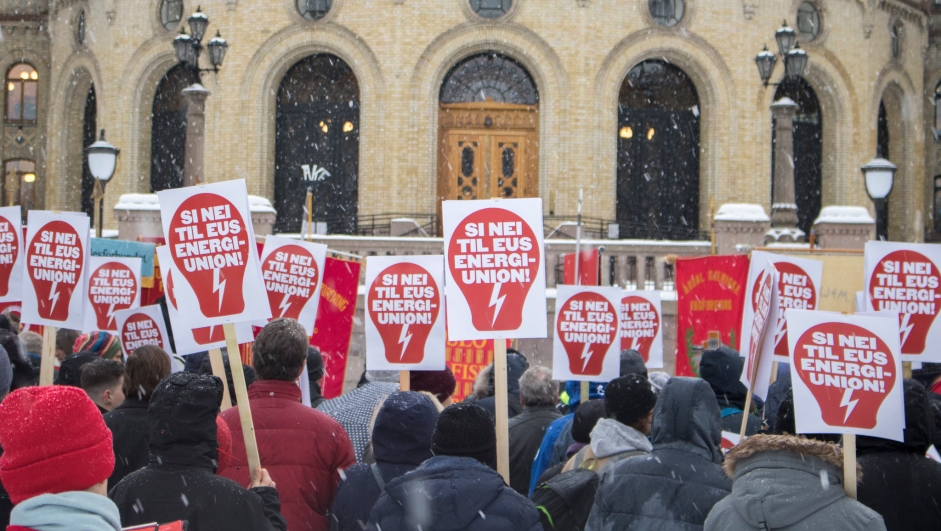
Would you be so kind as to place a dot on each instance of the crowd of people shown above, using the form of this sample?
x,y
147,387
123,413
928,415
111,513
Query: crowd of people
x,y
125,443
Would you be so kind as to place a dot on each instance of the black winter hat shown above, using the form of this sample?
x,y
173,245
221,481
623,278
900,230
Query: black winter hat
x,y
629,398
632,362
784,423
466,430
314,364
586,416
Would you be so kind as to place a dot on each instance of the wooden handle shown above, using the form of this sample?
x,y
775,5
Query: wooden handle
x,y
849,464
241,396
585,393
218,369
500,408
47,367
405,381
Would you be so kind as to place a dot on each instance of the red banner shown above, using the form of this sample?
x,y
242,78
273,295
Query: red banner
x,y
711,293
334,325
466,359
587,268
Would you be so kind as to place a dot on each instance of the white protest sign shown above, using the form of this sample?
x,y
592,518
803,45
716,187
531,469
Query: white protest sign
x,y
847,374
190,340
759,352
292,271
11,255
405,313
642,325
113,284
54,279
142,326
585,345
208,229
904,277
496,271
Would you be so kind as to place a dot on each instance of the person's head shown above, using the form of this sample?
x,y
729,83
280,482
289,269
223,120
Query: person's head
x,y
632,362
65,340
658,379
630,400
722,369
14,348
439,383
315,369
466,430
6,323
688,414
102,343
146,366
280,351
6,375
182,418
403,430
54,440
784,423
537,387
70,373
103,380
32,342
205,368
586,416
929,375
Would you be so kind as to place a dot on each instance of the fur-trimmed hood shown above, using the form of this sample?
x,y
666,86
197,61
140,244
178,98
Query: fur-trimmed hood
x,y
828,452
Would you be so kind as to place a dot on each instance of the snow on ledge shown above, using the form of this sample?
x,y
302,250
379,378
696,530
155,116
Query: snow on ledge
x,y
741,212
137,202
260,204
844,214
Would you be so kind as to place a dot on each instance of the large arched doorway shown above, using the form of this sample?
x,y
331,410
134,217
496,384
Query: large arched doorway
x,y
89,126
808,150
168,133
488,120
658,154
317,144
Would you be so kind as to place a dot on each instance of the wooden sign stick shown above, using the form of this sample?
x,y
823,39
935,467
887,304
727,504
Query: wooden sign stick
x,y
218,369
500,408
241,396
47,367
405,381
585,393
751,390
849,464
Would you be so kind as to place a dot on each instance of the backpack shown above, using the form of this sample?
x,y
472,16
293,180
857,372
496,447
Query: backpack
x,y
565,501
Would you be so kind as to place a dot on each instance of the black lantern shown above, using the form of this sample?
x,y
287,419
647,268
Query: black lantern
x,y
786,38
217,48
879,176
794,63
765,61
183,44
102,159
189,47
795,59
198,22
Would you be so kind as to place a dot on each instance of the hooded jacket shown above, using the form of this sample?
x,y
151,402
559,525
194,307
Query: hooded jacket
x,y
612,442
302,448
354,410
722,368
788,483
526,432
901,483
401,442
516,365
180,482
128,425
674,487
66,511
448,493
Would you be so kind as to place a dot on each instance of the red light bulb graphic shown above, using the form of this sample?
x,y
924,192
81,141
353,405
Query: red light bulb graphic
x,y
404,303
291,276
55,261
587,325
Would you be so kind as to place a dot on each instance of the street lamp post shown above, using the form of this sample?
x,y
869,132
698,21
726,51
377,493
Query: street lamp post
x,y
188,48
879,175
102,159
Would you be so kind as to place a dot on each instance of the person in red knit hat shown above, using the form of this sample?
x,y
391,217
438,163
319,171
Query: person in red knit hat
x,y
56,481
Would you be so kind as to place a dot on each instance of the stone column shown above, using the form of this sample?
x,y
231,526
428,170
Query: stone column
x,y
783,204
195,96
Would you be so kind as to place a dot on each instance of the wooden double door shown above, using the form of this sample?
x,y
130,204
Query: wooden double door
x,y
487,150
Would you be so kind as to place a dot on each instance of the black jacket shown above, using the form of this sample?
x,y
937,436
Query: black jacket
x,y
129,430
526,432
898,481
452,493
722,368
674,487
776,393
180,483
401,441
516,365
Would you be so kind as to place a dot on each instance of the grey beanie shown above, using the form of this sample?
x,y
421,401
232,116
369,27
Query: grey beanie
x,y
6,373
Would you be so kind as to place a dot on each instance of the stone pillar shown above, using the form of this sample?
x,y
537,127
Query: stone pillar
x,y
783,204
195,96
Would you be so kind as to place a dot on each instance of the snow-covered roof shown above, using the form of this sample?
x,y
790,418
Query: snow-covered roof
x,y
741,212
138,202
260,204
844,214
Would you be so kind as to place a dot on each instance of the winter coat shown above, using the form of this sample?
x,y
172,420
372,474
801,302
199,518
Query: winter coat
x,y
180,482
455,493
316,395
354,411
401,442
302,448
526,431
675,486
78,510
900,483
788,483
543,460
776,393
128,425
611,442
723,370
516,365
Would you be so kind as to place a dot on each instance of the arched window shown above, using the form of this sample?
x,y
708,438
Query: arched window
x,y
22,93
18,184
489,76
658,154
808,150
317,144
89,127
168,130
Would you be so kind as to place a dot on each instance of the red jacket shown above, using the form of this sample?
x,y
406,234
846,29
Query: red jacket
x,y
302,448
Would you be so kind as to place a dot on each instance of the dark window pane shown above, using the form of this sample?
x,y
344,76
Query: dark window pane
x,y
168,133
491,8
89,127
467,162
14,100
509,161
808,150
489,76
666,12
30,90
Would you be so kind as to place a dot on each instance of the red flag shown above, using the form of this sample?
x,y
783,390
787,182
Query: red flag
x,y
334,325
587,268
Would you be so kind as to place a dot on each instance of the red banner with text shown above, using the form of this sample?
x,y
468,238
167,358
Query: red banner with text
x,y
334,325
466,359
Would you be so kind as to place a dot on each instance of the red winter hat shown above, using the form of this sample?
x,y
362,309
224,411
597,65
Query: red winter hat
x,y
54,440
224,437
439,383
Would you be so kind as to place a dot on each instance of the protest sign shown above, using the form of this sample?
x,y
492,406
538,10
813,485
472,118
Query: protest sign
x,y
127,249
11,254
729,440
642,325
209,234
759,345
292,271
587,326
54,287
142,326
904,277
710,296
333,328
113,284
405,313
495,268
846,372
